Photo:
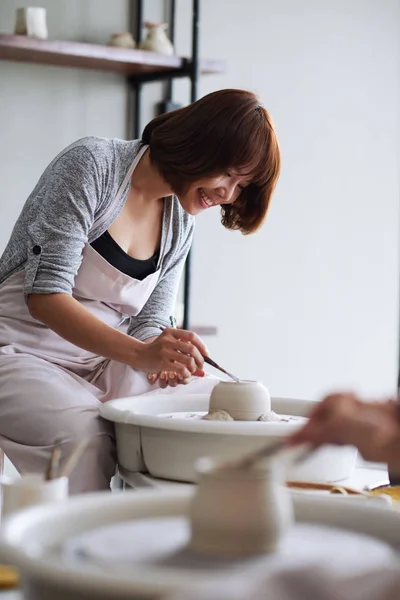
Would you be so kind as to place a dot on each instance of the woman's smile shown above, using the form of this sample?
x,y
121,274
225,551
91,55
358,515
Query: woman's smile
x,y
205,201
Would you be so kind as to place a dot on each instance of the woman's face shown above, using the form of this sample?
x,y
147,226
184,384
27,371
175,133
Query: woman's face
x,y
213,191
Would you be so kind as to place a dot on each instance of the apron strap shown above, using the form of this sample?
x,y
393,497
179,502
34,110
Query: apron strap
x,y
122,187
128,176
170,214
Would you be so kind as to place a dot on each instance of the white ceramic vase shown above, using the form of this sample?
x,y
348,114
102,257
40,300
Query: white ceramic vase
x,y
156,39
31,21
239,512
244,401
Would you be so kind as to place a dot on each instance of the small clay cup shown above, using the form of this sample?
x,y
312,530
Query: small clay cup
x,y
244,401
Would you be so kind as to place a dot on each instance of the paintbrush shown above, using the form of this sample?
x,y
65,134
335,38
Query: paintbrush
x,y
52,469
299,454
74,457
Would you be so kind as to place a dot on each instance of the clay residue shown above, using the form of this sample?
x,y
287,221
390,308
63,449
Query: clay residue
x,y
218,415
223,415
271,416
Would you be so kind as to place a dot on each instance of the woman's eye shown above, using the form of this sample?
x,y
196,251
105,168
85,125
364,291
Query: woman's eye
x,y
240,186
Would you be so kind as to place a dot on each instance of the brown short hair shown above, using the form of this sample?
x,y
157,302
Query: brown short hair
x,y
227,129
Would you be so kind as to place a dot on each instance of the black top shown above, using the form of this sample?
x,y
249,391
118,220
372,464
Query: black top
x,y
108,248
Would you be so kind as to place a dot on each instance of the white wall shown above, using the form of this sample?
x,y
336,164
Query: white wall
x,y
43,109
311,302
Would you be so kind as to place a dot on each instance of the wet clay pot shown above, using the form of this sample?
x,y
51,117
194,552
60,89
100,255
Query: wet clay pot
x,y
237,511
244,401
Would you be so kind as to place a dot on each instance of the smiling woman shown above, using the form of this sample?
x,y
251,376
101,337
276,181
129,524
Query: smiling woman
x,y
221,150
91,271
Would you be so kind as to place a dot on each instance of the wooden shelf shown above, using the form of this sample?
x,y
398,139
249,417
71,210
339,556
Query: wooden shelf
x,y
93,56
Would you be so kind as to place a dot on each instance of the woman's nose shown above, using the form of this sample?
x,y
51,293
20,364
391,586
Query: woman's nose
x,y
226,193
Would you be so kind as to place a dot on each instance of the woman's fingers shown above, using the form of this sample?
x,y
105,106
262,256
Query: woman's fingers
x,y
181,350
190,338
188,354
175,351
152,377
199,373
172,378
168,378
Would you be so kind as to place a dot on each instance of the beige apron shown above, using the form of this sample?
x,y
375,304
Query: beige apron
x,y
50,389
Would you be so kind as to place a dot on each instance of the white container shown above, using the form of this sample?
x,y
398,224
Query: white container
x,y
237,511
156,39
244,401
31,21
30,490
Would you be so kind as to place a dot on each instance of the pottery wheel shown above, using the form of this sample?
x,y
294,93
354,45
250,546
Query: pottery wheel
x,y
161,544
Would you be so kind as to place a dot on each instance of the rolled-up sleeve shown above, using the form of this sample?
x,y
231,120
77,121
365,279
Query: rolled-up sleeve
x,y
66,199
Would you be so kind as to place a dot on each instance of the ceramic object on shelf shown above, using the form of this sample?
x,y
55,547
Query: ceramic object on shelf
x,y
31,21
122,40
244,401
156,39
237,511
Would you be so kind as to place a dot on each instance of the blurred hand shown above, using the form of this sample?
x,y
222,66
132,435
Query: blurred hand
x,y
373,427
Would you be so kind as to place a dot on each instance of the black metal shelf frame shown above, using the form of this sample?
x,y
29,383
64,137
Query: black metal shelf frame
x,y
136,83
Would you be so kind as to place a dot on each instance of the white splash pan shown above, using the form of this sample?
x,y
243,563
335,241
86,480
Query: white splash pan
x,y
35,541
169,448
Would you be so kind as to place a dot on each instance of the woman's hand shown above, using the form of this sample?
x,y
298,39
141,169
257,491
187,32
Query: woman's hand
x,y
373,427
171,379
174,351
